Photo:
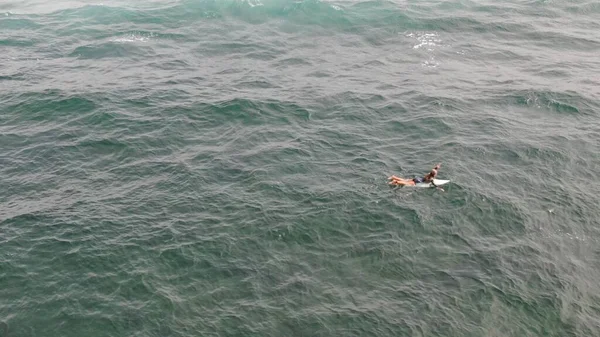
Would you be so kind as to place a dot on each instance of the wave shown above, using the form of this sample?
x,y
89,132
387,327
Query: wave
x,y
17,23
110,50
49,105
569,103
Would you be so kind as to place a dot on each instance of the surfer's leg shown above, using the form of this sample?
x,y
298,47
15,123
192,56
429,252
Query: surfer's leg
x,y
402,182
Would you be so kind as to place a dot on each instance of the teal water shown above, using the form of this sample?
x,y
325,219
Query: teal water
x,y
218,168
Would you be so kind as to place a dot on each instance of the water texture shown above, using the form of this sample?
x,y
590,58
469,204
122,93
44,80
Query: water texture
x,y
218,168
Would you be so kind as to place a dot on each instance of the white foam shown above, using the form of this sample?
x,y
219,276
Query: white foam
x,y
254,3
427,39
133,38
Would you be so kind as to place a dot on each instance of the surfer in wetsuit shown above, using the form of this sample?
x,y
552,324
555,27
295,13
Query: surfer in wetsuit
x,y
428,178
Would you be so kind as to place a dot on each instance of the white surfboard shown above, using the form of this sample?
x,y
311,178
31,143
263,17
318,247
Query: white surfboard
x,y
436,182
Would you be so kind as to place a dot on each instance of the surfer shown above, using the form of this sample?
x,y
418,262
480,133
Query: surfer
x,y
428,178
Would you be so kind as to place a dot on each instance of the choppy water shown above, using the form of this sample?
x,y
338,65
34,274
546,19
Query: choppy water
x,y
218,168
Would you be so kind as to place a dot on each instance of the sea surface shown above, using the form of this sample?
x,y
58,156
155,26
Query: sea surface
x,y
219,168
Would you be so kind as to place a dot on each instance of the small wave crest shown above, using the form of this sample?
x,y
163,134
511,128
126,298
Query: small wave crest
x,y
134,37
109,50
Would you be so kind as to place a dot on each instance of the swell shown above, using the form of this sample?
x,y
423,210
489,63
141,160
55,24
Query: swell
x,y
567,103
110,50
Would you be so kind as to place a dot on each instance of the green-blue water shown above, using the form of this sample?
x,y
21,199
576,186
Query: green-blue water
x,y
219,168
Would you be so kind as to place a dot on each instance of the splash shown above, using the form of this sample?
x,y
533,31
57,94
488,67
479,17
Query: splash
x,y
427,42
134,37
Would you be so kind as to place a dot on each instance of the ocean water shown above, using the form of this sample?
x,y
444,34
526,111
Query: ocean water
x,y
219,168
